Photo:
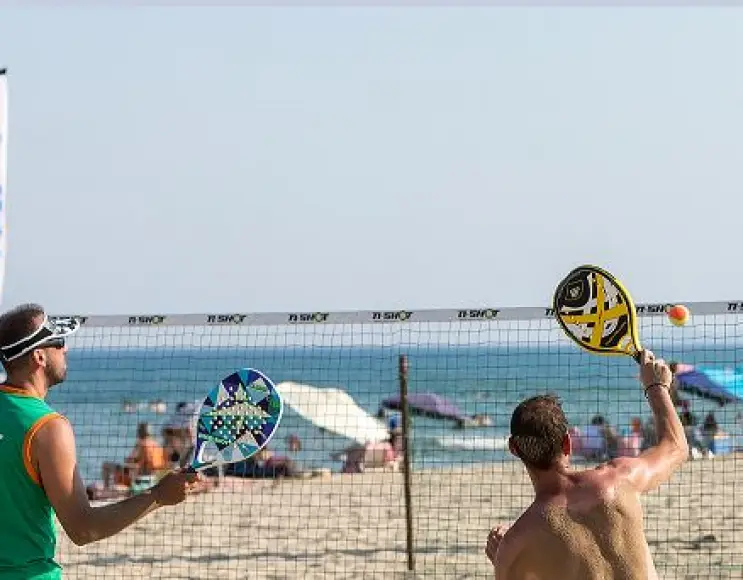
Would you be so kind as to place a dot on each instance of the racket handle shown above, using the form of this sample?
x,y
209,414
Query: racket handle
x,y
192,469
190,473
637,356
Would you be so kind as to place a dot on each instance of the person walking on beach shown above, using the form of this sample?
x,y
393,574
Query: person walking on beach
x,y
38,461
588,524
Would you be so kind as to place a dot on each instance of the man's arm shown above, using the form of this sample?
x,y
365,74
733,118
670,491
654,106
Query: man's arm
x,y
53,453
503,558
656,465
498,552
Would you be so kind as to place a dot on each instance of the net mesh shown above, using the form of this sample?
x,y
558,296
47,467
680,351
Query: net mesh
x,y
328,500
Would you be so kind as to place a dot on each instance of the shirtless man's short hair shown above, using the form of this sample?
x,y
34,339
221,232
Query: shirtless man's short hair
x,y
538,428
585,525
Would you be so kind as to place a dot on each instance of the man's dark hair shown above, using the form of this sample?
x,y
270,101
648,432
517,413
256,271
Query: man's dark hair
x,y
17,324
538,427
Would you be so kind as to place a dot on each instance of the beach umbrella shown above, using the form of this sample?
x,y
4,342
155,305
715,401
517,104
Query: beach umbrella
x,y
334,410
720,385
429,404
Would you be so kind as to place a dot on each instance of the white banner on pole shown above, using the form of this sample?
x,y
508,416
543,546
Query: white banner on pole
x,y
3,174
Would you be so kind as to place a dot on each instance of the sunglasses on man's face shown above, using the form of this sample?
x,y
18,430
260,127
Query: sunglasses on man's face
x,y
58,342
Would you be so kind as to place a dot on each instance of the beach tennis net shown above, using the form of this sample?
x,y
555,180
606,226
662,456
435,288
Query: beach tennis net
x,y
330,498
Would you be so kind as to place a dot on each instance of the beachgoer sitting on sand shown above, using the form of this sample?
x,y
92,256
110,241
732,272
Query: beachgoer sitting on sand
x,y
711,430
385,454
600,441
692,430
631,443
120,479
371,455
146,462
687,418
147,458
263,464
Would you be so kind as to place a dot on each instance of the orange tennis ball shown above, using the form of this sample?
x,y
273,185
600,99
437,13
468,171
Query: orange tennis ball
x,y
678,315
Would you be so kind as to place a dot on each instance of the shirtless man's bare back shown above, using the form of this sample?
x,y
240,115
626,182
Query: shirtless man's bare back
x,y
585,525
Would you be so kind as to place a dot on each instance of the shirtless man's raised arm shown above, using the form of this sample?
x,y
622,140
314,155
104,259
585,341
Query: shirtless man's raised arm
x,y
656,465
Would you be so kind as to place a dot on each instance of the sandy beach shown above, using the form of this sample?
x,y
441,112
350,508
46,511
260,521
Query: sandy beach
x,y
353,526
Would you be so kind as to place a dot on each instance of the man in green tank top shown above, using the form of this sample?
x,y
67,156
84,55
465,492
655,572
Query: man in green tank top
x,y
38,466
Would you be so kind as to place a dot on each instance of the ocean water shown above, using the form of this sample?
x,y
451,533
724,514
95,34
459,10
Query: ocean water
x,y
484,380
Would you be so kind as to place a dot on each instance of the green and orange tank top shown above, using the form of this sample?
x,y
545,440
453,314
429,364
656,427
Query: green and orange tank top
x,y
27,529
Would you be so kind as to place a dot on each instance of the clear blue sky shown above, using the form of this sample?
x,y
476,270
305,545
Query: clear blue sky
x,y
189,160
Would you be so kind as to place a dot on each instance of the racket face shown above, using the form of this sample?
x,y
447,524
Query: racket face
x,y
597,312
237,419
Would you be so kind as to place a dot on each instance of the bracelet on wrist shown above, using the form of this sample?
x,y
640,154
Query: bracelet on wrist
x,y
666,387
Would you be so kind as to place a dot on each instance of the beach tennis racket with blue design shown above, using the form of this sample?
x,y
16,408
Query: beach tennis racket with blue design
x,y
236,420
595,310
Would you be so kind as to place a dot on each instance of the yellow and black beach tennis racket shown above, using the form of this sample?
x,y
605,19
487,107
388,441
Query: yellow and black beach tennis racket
x,y
597,312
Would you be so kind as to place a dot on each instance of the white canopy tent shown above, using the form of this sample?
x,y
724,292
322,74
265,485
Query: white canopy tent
x,y
333,409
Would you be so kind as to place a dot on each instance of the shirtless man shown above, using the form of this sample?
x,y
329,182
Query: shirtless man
x,y
586,525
